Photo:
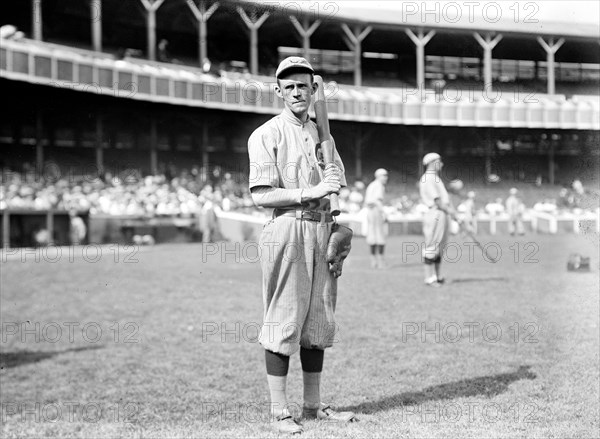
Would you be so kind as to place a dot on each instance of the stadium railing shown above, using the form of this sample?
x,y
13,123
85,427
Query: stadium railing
x,y
53,65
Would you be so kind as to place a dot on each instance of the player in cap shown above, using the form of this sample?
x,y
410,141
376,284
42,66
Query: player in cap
x,y
293,63
437,218
286,174
467,208
376,220
514,208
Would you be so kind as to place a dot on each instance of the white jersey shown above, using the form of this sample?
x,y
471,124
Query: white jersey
x,y
432,187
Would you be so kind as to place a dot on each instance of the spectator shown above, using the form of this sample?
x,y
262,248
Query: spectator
x,y
228,186
41,237
566,200
355,198
578,192
495,208
578,187
77,230
546,205
163,55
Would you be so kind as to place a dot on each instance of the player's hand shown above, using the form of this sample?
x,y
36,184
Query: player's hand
x,y
326,187
331,182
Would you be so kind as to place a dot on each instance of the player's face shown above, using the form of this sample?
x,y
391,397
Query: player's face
x,y
296,90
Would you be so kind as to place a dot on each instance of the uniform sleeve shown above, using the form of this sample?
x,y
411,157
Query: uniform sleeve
x,y
369,194
276,197
429,189
374,194
262,152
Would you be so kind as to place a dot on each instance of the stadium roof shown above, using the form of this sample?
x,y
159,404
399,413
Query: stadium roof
x,y
451,16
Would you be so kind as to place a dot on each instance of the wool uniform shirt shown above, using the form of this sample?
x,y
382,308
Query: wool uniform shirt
x,y
375,194
285,153
432,187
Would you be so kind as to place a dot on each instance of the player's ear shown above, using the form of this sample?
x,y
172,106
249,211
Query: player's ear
x,y
278,91
315,86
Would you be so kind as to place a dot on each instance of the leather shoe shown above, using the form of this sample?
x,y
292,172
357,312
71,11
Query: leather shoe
x,y
326,413
286,424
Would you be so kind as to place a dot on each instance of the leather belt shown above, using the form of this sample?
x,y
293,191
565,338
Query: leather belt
x,y
308,215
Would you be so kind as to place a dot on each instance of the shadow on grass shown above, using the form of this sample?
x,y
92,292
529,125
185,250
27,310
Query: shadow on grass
x,y
487,386
21,358
406,265
479,279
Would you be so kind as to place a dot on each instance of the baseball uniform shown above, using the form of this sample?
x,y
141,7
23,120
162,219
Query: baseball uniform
x,y
514,208
469,215
299,292
436,222
375,214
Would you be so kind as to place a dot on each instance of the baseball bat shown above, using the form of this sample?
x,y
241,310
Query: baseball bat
x,y
325,136
477,243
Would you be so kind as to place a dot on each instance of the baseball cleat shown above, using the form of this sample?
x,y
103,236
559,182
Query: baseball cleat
x,y
326,413
433,283
286,424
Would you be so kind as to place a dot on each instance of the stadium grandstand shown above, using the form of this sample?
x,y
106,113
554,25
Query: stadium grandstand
x,y
170,90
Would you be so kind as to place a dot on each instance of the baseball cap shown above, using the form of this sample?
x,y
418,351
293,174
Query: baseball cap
x,y
293,62
431,157
381,171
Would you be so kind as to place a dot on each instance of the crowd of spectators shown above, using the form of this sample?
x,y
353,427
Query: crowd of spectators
x,y
187,193
183,195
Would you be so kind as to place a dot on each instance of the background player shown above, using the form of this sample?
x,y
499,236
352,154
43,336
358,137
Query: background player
x,y
437,218
515,208
376,220
468,211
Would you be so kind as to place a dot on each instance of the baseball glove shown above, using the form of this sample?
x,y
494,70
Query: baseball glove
x,y
338,248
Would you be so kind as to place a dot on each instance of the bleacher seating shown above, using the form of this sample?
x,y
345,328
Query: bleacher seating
x,y
513,75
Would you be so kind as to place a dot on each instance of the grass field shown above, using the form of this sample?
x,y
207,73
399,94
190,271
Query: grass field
x,y
132,345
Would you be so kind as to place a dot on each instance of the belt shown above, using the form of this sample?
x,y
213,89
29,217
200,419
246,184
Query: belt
x,y
308,215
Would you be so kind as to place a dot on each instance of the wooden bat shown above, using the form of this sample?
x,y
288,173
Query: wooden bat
x,y
477,243
325,136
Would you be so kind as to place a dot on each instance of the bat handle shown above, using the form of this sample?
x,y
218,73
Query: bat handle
x,y
334,204
327,149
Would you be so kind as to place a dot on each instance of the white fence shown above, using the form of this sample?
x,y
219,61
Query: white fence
x,y
242,227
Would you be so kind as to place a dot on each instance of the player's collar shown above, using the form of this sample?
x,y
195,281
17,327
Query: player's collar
x,y
291,117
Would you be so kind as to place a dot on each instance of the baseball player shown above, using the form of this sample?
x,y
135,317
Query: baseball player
x,y
514,208
469,212
437,218
376,232
299,291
